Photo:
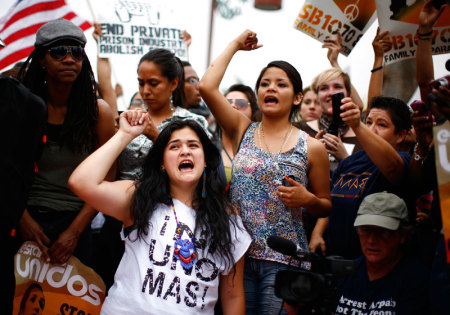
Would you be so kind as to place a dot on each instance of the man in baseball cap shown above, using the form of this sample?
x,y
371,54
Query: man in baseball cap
x,y
385,281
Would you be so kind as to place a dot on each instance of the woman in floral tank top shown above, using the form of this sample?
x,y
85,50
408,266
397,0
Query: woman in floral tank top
x,y
265,154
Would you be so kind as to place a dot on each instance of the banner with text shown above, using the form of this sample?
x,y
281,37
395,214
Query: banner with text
x,y
324,18
133,27
72,288
401,19
441,136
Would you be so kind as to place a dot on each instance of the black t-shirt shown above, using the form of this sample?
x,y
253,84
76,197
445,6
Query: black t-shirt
x,y
404,290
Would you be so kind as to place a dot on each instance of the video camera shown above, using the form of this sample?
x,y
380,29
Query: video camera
x,y
314,289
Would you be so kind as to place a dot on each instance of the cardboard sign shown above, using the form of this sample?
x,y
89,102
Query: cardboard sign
x,y
135,27
441,136
72,288
401,19
324,18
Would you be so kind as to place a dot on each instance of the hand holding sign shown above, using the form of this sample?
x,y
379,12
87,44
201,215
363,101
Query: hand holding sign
x,y
428,17
379,44
334,48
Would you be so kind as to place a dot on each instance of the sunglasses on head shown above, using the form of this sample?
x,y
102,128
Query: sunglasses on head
x,y
240,102
60,52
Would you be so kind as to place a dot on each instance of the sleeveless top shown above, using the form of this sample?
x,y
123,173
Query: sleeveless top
x,y
254,183
50,188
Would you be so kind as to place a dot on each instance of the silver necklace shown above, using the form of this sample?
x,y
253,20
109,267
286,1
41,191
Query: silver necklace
x,y
261,130
287,136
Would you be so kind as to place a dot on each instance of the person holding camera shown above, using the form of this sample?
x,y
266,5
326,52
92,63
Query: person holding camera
x,y
385,280
380,166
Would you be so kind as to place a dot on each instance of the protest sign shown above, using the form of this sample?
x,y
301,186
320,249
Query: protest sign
x,y
324,18
441,136
401,19
71,288
133,27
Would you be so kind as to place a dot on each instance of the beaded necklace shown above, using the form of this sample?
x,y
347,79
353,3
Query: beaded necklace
x,y
184,250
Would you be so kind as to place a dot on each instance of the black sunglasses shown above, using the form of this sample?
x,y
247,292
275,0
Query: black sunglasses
x,y
60,52
240,102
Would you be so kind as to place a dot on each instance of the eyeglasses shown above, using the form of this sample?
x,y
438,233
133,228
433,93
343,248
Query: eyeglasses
x,y
378,232
60,52
137,102
192,80
240,102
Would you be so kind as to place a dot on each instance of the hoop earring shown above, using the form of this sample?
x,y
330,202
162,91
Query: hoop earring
x,y
204,185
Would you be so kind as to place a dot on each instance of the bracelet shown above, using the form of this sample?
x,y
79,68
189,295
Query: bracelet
x,y
424,34
425,37
376,69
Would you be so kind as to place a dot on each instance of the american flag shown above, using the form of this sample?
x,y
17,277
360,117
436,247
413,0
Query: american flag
x,y
19,26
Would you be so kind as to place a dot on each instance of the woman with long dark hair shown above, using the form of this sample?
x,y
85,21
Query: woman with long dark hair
x,y
161,86
59,71
182,245
265,154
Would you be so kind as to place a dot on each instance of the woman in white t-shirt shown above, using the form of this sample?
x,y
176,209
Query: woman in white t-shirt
x,y
182,247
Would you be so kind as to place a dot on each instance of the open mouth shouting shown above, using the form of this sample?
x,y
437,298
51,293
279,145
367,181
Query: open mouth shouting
x,y
186,166
270,100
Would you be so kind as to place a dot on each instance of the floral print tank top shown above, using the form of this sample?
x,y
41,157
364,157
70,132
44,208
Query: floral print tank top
x,y
254,183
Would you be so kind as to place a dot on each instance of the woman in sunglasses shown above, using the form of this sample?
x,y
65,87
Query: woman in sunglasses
x,y
267,154
242,98
77,123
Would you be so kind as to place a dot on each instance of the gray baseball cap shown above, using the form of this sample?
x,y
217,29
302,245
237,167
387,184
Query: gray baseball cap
x,y
382,209
57,30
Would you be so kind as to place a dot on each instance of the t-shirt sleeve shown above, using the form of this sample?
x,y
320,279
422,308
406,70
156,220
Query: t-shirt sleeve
x,y
240,239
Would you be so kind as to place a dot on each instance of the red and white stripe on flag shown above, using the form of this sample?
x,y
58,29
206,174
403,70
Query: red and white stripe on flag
x,y
19,26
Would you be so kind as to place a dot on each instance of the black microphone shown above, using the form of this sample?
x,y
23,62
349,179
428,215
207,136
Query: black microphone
x,y
288,248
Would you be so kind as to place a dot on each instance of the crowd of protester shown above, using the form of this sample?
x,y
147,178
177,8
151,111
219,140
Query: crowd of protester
x,y
187,184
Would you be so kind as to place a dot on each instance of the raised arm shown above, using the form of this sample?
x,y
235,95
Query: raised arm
x,y
376,78
424,60
104,76
334,47
382,154
88,180
232,121
188,40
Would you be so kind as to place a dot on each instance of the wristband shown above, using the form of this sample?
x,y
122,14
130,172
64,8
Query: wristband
x,y
424,34
376,69
425,37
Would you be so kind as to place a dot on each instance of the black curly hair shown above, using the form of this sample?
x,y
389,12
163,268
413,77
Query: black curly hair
x,y
79,127
212,215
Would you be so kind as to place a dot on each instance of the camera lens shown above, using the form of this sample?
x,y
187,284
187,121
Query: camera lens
x,y
439,83
301,287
